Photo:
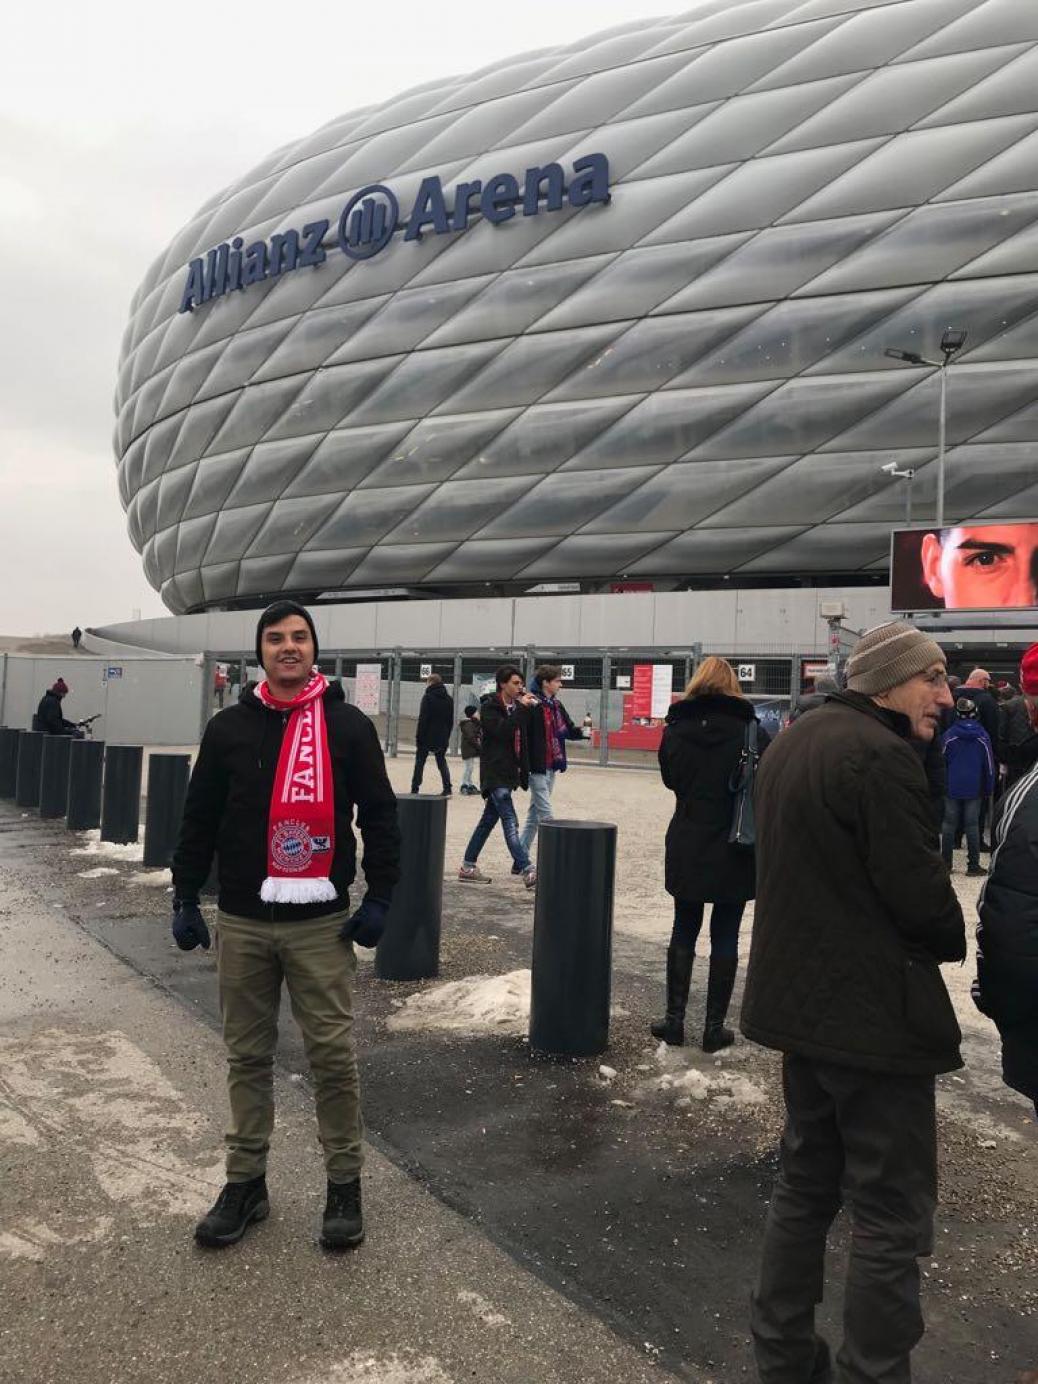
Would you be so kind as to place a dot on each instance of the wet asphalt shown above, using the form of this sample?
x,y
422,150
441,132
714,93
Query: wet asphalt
x,y
645,1214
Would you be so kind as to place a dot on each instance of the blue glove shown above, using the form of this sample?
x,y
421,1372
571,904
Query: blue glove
x,y
366,925
189,929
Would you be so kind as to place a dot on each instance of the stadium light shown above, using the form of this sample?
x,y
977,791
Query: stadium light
x,y
952,342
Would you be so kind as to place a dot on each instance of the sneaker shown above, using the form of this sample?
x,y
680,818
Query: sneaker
x,y
516,869
976,870
474,874
446,793
237,1206
530,876
343,1225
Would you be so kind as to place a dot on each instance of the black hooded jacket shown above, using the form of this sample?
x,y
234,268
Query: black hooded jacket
x,y
228,808
1007,938
504,756
1017,739
702,742
49,718
435,718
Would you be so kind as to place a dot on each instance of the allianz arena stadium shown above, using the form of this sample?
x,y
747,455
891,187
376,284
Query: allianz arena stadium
x,y
611,311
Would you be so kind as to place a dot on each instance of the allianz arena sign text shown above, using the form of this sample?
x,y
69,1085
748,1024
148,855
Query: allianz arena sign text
x,y
371,217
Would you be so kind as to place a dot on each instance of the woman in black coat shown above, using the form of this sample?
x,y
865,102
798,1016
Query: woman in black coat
x,y
702,742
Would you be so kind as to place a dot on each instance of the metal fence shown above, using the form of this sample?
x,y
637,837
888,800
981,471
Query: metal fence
x,y
598,684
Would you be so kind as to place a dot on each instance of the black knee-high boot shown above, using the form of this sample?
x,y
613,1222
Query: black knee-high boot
x,y
679,977
719,989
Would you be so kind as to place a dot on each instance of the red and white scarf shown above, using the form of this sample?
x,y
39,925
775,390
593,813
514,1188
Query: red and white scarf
x,y
301,828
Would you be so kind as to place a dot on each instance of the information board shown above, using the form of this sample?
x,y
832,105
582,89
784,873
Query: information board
x,y
367,694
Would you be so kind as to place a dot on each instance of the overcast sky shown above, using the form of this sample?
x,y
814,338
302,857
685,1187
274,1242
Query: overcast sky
x,y
117,121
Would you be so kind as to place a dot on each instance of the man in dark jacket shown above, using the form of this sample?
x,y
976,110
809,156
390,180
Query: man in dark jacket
x,y
433,735
854,913
824,687
550,727
970,765
977,688
1018,722
272,795
1006,988
504,766
48,714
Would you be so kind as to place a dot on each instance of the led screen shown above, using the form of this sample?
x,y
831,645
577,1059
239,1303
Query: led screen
x,y
968,567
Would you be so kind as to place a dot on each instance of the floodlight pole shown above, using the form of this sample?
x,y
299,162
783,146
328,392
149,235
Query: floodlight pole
x,y
942,432
952,343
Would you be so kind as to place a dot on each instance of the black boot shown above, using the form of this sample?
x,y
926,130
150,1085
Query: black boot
x,y
679,977
237,1206
343,1224
719,989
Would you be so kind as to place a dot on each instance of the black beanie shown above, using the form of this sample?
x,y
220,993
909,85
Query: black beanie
x,y
274,614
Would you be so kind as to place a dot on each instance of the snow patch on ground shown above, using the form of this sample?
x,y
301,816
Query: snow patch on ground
x,y
98,873
680,1083
981,1123
365,1367
484,1310
93,845
153,879
477,1004
99,1093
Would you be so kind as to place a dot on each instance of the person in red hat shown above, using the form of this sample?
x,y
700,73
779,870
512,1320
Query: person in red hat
x,y
48,716
1018,722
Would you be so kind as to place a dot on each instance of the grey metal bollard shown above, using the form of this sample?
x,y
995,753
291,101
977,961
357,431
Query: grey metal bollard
x,y
167,788
410,945
86,767
54,775
8,761
121,794
573,938
27,774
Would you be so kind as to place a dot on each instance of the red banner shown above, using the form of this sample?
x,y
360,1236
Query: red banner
x,y
641,690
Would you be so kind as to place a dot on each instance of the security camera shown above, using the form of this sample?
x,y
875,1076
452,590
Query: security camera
x,y
890,467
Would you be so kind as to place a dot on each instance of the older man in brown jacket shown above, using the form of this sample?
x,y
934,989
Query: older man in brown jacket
x,y
854,913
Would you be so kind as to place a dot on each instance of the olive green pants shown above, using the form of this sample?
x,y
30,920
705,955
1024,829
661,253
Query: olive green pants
x,y
253,958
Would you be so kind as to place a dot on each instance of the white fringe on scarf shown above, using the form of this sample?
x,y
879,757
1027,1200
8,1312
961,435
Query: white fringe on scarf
x,y
297,890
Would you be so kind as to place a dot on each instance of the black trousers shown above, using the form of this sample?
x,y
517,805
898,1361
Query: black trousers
x,y
420,756
867,1140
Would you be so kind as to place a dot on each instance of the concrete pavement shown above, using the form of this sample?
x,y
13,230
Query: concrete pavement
x,y
111,1109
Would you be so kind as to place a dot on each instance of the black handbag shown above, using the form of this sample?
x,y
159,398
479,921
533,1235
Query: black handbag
x,y
744,828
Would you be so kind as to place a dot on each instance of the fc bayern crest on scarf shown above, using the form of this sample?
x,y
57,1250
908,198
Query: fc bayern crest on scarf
x,y
301,834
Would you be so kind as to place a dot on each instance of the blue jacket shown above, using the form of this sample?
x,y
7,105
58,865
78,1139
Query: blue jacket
x,y
969,760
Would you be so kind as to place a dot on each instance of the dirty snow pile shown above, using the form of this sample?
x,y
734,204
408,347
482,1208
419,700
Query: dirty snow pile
x,y
477,1004
154,879
95,846
98,872
680,1083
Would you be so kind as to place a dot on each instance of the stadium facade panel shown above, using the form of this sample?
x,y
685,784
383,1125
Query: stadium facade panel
x,y
613,310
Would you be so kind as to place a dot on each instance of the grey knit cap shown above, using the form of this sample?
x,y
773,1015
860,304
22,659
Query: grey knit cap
x,y
889,655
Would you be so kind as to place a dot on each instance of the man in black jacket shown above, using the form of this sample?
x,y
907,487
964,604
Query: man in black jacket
x,y
1006,988
504,765
854,913
48,714
1017,745
433,734
272,795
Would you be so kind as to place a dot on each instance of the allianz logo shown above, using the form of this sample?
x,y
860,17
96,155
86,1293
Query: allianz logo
x,y
371,218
